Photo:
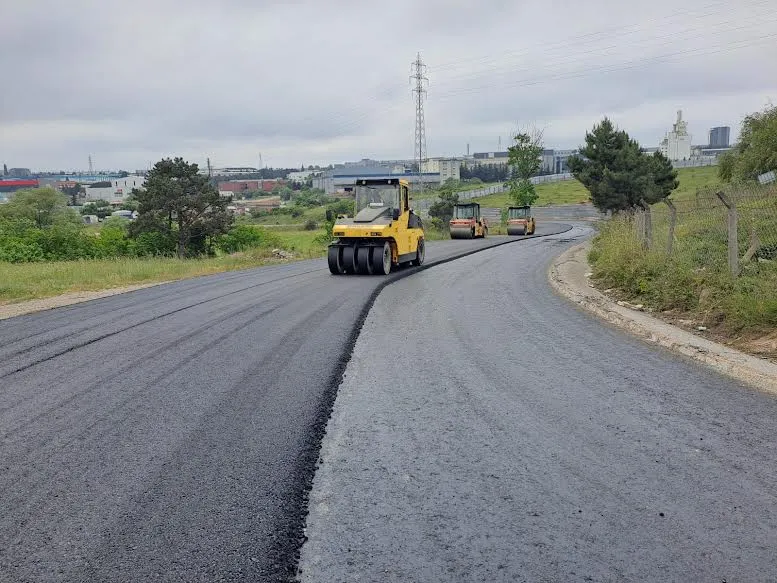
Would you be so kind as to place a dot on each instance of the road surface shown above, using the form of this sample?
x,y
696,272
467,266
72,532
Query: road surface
x,y
486,430
170,434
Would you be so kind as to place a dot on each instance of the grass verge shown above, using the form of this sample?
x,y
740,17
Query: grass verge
x,y
692,287
25,281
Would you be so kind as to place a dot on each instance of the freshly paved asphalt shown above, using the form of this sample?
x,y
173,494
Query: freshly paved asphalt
x,y
486,430
171,433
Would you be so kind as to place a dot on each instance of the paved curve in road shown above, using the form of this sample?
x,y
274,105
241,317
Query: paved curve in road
x,y
171,433
486,430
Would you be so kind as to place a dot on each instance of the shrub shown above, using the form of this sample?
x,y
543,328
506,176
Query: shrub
x,y
310,225
245,237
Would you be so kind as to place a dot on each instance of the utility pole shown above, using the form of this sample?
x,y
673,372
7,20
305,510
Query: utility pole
x,y
210,170
419,91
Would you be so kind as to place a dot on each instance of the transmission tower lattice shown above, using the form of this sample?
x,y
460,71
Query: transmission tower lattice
x,y
419,92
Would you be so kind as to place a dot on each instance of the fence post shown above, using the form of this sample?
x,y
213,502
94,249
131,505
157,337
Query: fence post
x,y
755,244
672,223
647,235
733,240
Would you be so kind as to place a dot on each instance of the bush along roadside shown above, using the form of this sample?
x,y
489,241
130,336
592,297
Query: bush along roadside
x,y
693,285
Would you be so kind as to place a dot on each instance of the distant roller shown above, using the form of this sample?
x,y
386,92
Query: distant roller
x,y
520,221
467,222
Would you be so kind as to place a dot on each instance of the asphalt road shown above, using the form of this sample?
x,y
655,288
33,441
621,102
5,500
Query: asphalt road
x,y
171,433
486,430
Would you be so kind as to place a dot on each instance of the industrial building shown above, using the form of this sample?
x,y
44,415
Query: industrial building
x,y
719,137
338,179
11,185
447,168
120,189
676,145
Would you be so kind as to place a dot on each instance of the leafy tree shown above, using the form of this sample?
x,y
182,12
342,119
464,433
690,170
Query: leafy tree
x,y
43,207
442,208
73,192
618,174
123,174
102,184
756,151
100,208
131,202
178,200
525,161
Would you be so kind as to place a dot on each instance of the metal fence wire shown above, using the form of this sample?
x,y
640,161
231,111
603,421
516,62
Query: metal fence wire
x,y
717,228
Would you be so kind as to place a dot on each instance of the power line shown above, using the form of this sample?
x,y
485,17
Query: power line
x,y
419,76
610,32
726,47
603,51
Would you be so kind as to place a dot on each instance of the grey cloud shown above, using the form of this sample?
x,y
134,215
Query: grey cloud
x,y
308,78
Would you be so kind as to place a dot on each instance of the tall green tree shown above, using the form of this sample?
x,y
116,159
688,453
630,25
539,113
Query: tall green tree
x,y
442,208
43,207
756,150
617,173
179,201
524,158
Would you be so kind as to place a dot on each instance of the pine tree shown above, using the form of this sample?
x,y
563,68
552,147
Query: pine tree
x,y
178,201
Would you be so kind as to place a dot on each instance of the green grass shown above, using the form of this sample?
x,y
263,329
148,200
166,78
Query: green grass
x,y
550,193
573,192
25,281
692,179
694,282
461,187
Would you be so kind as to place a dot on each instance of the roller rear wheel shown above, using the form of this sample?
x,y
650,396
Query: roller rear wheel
x,y
349,259
381,259
363,259
420,254
334,258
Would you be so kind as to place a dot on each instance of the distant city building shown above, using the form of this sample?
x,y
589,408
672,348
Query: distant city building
x,y
447,168
239,187
11,185
719,137
119,189
548,161
301,176
488,159
676,145
560,158
233,171
339,178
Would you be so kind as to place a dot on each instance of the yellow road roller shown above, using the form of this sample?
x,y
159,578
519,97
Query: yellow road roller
x,y
467,222
520,221
383,233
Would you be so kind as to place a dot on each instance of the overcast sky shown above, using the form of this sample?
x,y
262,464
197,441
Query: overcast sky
x,y
325,81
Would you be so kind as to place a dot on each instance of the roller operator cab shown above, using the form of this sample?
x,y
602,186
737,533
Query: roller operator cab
x,y
383,233
520,221
467,222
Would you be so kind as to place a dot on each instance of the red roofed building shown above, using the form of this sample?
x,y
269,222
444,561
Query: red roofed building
x,y
15,184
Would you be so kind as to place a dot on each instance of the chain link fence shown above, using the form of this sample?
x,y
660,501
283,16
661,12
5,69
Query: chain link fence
x,y
717,228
